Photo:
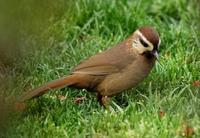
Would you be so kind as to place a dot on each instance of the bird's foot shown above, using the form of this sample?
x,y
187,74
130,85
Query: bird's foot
x,y
105,102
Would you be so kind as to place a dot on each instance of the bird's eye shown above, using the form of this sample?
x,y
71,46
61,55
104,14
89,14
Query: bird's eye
x,y
143,43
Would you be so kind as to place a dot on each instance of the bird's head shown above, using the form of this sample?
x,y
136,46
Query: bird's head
x,y
146,41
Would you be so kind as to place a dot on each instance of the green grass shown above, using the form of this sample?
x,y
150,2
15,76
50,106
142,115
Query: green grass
x,y
87,27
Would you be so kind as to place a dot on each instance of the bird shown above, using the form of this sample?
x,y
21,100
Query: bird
x,y
112,71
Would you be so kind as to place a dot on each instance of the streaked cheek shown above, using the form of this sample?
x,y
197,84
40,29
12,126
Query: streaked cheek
x,y
135,43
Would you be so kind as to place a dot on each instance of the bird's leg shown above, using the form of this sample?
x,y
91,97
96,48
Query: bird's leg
x,y
103,100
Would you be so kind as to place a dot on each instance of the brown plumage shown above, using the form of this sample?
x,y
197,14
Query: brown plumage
x,y
151,35
112,71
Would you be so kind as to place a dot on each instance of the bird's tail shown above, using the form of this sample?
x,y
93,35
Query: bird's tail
x,y
59,83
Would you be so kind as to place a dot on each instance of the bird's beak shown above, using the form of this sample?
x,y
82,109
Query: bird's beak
x,y
155,54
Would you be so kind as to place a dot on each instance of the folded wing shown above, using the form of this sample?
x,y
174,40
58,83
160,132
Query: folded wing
x,y
107,62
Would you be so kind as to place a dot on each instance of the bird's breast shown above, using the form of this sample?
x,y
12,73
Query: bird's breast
x,y
127,78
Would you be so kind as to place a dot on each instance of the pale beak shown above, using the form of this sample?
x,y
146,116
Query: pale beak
x,y
155,54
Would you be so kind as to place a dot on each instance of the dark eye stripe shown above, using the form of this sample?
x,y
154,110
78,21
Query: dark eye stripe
x,y
143,43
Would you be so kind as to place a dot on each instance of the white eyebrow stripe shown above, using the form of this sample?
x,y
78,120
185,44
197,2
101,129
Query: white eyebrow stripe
x,y
144,38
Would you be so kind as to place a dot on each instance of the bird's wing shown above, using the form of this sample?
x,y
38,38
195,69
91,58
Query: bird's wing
x,y
107,62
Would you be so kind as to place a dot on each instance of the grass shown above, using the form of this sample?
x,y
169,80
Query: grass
x,y
165,104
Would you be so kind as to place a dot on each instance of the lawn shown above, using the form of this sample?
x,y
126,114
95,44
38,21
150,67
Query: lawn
x,y
166,104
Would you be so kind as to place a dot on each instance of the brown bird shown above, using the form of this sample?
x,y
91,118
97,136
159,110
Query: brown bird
x,y
112,71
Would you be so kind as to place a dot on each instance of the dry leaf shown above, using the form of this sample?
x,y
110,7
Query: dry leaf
x,y
196,83
161,114
186,130
61,97
79,100
19,106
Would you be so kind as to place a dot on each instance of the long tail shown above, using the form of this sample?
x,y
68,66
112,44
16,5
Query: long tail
x,y
60,83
